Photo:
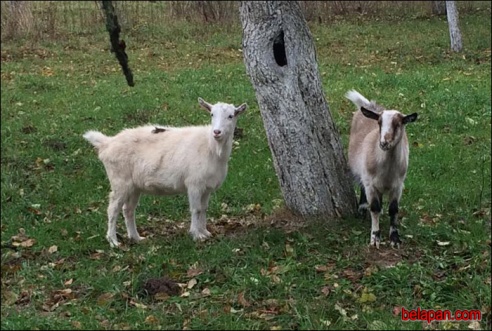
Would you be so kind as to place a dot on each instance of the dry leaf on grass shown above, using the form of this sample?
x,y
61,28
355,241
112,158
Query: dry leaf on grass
x,y
242,300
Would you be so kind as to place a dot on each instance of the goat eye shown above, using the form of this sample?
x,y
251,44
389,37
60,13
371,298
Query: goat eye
x,y
211,114
230,116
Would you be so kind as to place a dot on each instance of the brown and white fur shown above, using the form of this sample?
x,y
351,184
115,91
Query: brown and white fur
x,y
378,158
165,161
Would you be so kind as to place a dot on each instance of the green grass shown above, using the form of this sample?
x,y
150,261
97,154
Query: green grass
x,y
262,269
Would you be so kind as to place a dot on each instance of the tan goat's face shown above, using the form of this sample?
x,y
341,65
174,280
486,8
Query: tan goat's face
x,y
391,126
224,117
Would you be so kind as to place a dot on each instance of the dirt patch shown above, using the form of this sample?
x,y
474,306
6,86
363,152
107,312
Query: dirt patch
x,y
164,285
283,218
385,257
55,144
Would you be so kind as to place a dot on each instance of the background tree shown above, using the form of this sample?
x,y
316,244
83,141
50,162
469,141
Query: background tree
x,y
454,29
117,46
438,8
280,60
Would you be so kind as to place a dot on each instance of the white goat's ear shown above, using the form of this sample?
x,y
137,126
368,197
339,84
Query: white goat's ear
x,y
204,104
369,113
240,109
410,118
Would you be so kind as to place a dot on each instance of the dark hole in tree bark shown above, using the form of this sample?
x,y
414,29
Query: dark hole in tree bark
x,y
279,50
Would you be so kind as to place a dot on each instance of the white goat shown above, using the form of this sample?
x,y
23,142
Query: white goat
x,y
165,161
378,158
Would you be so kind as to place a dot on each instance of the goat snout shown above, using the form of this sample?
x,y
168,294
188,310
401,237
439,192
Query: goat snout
x,y
217,133
384,145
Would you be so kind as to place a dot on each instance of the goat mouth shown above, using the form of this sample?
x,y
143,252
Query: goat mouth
x,y
384,147
217,136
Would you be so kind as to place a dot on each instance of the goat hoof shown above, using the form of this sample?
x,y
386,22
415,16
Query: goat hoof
x,y
137,239
375,238
395,239
375,243
200,235
113,242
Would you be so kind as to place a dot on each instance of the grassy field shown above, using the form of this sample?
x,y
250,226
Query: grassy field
x,y
263,268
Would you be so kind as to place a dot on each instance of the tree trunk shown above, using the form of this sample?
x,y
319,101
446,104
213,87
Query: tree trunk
x,y
454,29
438,8
280,60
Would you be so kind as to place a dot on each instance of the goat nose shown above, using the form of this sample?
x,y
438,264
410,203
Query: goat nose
x,y
217,132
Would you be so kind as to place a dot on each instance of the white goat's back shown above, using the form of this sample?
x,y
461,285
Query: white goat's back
x,y
162,163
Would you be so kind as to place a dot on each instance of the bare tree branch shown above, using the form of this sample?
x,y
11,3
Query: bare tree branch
x,y
117,46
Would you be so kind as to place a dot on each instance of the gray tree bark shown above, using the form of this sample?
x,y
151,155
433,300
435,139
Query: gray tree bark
x,y
438,8
454,29
308,157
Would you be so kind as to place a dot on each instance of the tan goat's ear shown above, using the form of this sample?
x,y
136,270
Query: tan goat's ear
x,y
369,113
204,104
410,118
240,109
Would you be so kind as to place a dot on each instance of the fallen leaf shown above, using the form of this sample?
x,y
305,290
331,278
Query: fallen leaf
x,y
474,325
52,249
27,243
443,243
8,297
367,296
377,325
289,250
342,311
97,255
194,271
326,290
370,270
104,298
191,283
242,301
276,279
321,268
138,304
76,324
206,292
352,275
161,296
68,282
151,319
235,311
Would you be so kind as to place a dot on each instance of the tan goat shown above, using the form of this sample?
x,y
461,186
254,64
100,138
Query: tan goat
x,y
378,158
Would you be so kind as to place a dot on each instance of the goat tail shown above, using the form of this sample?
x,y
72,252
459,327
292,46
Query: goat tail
x,y
358,99
96,138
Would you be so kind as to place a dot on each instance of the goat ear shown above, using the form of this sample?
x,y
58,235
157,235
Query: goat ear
x,y
240,109
204,104
410,118
369,113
